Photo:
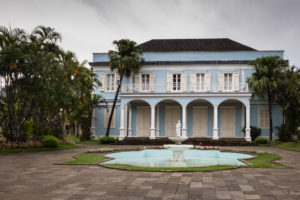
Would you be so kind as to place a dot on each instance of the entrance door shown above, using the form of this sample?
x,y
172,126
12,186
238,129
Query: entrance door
x,y
172,117
200,121
228,122
143,121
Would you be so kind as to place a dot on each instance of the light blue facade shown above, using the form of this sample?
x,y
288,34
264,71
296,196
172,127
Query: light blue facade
x,y
243,108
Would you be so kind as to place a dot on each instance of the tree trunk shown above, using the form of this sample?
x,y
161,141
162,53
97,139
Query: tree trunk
x,y
113,107
270,115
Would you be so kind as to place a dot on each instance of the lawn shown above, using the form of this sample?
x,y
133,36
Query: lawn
x,y
263,160
60,147
295,146
89,142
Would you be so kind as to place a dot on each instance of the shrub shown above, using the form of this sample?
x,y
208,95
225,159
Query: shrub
x,y
85,137
50,141
27,130
255,132
284,133
107,140
261,141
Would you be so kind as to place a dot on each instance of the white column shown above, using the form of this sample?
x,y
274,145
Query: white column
x,y
215,130
122,130
130,121
152,128
93,129
126,120
248,136
184,128
157,121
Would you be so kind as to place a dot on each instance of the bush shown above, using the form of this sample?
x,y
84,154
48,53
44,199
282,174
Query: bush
x,y
107,140
50,141
85,137
255,132
261,141
284,134
27,130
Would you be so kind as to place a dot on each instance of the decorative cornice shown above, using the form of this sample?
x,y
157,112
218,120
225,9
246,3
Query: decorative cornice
x,y
188,95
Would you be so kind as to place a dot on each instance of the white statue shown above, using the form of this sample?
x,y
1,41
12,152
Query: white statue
x,y
178,127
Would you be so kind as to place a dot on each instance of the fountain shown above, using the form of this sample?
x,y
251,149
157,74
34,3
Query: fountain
x,y
178,148
173,155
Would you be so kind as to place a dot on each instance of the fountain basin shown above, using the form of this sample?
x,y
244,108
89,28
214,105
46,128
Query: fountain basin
x,y
163,158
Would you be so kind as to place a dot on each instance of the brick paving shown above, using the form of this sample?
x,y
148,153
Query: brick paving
x,y
33,176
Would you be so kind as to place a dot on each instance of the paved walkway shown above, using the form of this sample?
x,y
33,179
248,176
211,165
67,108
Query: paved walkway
x,y
30,176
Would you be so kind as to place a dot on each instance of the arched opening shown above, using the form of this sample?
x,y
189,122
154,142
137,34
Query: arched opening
x,y
231,119
200,118
139,116
168,112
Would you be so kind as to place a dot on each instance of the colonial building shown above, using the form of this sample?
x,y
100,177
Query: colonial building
x,y
201,82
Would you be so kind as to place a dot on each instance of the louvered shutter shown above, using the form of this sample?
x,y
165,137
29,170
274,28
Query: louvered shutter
x,y
113,120
103,82
193,82
183,82
152,83
117,78
137,82
220,81
236,81
207,78
169,82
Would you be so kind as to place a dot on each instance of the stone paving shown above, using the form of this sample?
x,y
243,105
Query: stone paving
x,y
33,176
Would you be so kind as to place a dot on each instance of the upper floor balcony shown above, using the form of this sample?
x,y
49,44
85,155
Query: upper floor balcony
x,y
180,88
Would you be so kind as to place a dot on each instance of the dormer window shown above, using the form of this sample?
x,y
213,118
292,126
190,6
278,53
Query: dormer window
x,y
228,83
176,82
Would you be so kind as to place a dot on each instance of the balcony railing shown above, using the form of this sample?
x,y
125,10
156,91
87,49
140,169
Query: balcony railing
x,y
162,88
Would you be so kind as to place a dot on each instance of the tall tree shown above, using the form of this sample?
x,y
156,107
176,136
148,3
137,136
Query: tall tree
x,y
288,97
126,59
265,81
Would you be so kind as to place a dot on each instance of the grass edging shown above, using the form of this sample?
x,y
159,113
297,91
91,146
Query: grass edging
x,y
261,160
20,150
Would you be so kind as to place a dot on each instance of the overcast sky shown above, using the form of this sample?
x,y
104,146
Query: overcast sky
x,y
89,26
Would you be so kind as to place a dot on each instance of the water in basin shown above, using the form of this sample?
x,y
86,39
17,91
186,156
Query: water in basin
x,y
163,158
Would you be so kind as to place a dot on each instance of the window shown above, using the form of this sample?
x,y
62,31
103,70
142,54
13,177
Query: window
x,y
176,82
228,82
145,86
263,118
107,112
200,82
110,82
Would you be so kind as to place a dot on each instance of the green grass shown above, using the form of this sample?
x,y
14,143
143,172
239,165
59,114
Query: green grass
x,y
60,147
85,159
295,146
72,138
263,160
89,142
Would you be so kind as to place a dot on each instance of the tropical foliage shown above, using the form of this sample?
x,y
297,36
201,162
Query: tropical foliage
x,y
126,59
45,86
269,72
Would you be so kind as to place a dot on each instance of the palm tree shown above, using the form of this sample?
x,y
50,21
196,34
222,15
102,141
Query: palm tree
x,y
265,80
126,59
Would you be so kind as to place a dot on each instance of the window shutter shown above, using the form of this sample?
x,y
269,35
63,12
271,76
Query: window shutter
x,y
207,77
183,82
103,82
236,81
107,114
152,83
261,118
193,82
220,81
117,78
137,82
169,82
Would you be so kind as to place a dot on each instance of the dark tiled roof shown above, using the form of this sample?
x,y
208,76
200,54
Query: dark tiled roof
x,y
171,45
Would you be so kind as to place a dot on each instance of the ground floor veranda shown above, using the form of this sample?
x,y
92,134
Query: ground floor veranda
x,y
207,117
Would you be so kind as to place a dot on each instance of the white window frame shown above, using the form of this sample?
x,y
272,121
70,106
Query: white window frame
x,y
144,85
110,82
263,121
107,112
200,81
228,86
177,85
